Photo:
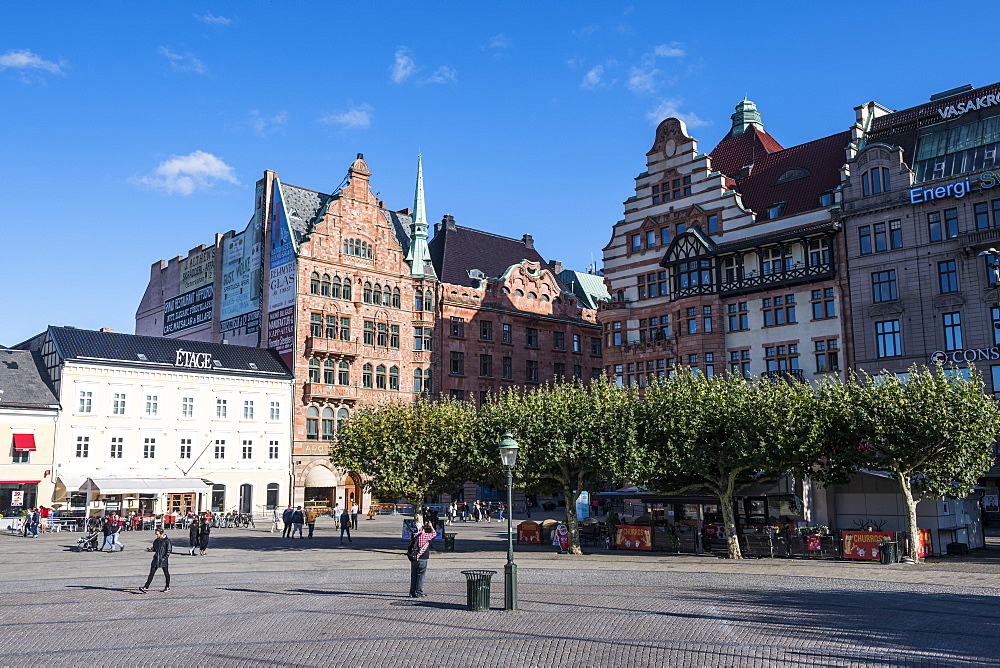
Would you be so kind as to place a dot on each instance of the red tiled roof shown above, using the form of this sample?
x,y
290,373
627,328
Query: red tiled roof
x,y
734,153
822,158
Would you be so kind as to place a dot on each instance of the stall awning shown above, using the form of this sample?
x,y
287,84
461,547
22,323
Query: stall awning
x,y
24,442
105,486
72,482
320,476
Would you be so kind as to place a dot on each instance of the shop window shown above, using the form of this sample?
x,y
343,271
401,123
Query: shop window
x,y
218,498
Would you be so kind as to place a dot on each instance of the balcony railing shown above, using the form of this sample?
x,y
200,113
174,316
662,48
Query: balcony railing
x,y
785,374
615,304
329,391
797,274
317,344
981,237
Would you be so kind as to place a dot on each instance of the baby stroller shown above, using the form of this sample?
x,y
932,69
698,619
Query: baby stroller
x,y
89,542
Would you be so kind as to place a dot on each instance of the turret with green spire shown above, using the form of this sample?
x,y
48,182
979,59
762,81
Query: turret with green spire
x,y
419,257
745,116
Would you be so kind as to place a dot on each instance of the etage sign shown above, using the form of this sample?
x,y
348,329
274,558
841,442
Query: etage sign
x,y
193,360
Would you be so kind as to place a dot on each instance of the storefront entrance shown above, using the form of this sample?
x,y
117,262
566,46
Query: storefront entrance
x,y
16,497
246,499
181,504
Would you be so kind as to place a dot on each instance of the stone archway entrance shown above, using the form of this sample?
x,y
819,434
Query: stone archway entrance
x,y
354,491
320,488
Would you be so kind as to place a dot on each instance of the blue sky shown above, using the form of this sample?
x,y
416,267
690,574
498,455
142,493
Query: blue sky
x,y
132,132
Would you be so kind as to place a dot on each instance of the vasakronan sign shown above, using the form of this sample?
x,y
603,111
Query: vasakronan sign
x,y
967,355
981,102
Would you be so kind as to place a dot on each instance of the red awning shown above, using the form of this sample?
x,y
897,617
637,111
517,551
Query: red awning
x,y
24,442
20,482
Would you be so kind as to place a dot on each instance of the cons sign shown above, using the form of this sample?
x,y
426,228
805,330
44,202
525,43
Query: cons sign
x,y
967,355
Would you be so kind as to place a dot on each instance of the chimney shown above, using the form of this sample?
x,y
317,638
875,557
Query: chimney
x,y
556,266
406,212
529,241
448,221
107,330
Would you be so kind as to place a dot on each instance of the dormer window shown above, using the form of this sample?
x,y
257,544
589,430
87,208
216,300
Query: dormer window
x,y
792,175
142,357
826,199
776,210
875,181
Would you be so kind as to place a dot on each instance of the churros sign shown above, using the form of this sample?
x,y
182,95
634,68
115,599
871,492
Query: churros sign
x,y
864,544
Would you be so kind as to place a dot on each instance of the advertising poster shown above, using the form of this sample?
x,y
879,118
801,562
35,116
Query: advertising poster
x,y
242,273
631,537
281,281
926,546
529,532
814,543
17,498
197,269
187,310
583,506
864,544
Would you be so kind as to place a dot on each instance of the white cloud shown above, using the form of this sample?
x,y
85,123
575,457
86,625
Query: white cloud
x,y
212,19
671,109
592,79
443,74
402,67
641,80
184,174
183,62
265,125
672,50
26,60
497,43
357,117
585,31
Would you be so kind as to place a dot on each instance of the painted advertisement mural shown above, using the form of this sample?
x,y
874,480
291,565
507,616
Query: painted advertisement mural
x,y
193,306
242,255
281,281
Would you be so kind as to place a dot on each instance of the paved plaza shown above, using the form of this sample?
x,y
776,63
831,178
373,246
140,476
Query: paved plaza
x,y
259,599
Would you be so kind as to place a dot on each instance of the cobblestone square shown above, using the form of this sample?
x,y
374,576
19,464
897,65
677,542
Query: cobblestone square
x,y
259,599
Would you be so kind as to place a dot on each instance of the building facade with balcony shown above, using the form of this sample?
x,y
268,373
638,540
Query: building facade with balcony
x,y
729,260
153,425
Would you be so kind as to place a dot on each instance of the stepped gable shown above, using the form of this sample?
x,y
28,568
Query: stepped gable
x,y
456,250
735,152
776,177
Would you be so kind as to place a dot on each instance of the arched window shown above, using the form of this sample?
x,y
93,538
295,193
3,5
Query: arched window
x,y
506,290
335,287
327,424
394,378
347,247
428,300
366,375
314,370
347,289
377,295
545,298
344,374
272,496
368,293
395,298
324,286
380,377
386,296
427,380
328,371
342,416
532,295
312,424
418,380
518,293
314,283
418,300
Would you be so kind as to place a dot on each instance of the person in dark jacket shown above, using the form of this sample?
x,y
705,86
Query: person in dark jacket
x,y
298,519
161,554
203,535
107,529
345,525
286,517
418,553
194,535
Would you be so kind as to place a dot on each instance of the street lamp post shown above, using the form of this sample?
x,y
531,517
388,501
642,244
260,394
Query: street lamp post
x,y
508,456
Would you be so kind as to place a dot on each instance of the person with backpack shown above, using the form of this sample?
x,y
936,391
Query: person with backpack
x,y
286,517
161,554
345,525
418,552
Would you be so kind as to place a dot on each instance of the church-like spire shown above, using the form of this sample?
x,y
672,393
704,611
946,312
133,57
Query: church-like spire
x,y
419,256
745,116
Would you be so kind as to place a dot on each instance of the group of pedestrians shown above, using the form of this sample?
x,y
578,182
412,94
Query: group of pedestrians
x,y
35,521
479,511
295,519
199,534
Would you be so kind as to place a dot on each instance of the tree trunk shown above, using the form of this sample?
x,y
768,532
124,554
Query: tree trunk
x,y
911,516
729,519
571,523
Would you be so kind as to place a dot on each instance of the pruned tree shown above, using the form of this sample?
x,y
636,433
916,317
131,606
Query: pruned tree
x,y
932,430
572,437
412,450
725,433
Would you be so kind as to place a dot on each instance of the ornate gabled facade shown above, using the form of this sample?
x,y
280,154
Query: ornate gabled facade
x,y
728,260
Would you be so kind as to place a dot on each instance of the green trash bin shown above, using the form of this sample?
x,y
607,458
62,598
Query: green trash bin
x,y
477,593
888,552
449,542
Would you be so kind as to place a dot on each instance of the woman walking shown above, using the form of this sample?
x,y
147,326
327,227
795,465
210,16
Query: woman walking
x,y
203,535
194,535
161,553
